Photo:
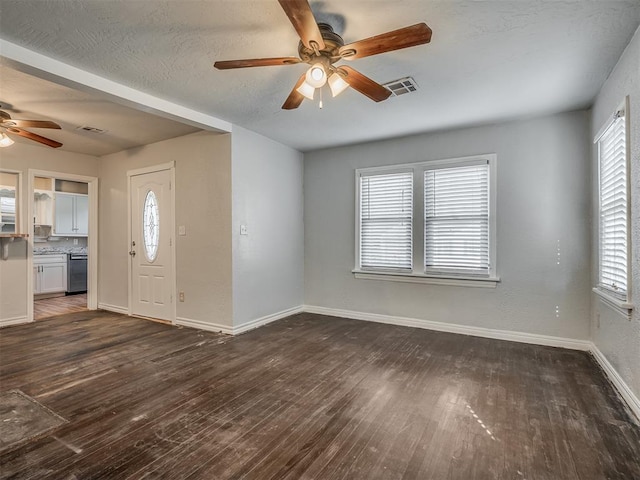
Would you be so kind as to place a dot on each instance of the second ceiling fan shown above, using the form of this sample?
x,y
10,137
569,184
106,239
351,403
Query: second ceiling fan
x,y
321,48
17,127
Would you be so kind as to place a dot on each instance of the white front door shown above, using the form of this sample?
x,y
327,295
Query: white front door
x,y
151,253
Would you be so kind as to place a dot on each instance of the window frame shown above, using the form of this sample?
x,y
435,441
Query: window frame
x,y
419,274
619,302
374,172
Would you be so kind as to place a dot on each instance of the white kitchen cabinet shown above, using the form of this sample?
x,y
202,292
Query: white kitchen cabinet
x,y
43,207
64,218
71,215
82,215
49,274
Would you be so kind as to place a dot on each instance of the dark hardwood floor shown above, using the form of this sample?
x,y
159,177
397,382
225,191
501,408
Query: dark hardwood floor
x,y
309,397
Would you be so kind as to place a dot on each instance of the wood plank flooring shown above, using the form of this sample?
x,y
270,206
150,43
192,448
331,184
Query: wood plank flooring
x,y
50,307
309,397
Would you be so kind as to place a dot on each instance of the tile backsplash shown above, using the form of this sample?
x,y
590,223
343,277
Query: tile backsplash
x,y
54,243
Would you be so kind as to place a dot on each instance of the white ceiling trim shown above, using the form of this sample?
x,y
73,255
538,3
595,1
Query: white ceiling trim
x,y
47,68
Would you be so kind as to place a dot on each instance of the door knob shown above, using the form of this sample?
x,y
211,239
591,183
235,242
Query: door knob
x,y
132,253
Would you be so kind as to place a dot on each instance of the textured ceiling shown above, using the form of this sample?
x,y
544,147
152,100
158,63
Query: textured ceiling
x,y
488,60
26,97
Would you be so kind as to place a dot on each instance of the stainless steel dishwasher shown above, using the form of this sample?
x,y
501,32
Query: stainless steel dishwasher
x,y
76,273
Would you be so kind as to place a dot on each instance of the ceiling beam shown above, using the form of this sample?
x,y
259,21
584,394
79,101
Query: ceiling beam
x,y
47,68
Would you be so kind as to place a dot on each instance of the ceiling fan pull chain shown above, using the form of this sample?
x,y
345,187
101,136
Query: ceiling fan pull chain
x,y
320,103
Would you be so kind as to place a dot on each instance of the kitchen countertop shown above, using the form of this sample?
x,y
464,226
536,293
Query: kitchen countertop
x,y
59,250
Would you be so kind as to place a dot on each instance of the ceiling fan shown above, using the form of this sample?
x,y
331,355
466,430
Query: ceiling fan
x,y
17,127
321,48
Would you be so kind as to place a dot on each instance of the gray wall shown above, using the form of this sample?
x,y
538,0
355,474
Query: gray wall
x,y
203,206
617,337
543,201
13,272
268,263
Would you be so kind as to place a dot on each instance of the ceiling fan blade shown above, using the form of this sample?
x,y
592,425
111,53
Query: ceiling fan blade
x,y
364,84
417,34
34,137
256,62
301,16
31,124
295,98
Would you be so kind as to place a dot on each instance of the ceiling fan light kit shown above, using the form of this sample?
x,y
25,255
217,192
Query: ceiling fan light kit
x,y
321,47
306,90
5,141
337,84
316,76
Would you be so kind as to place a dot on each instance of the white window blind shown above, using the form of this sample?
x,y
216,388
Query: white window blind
x,y
613,208
456,209
386,221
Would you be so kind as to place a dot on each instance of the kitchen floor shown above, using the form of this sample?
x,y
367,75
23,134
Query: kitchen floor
x,y
51,307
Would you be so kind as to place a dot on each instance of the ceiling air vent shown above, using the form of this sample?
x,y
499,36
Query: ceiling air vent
x,y
87,128
401,86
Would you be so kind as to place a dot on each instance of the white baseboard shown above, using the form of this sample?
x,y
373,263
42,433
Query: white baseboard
x,y
113,308
5,322
236,330
259,322
200,325
521,337
615,378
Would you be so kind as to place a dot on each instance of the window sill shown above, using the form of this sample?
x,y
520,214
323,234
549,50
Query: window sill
x,y
455,281
618,305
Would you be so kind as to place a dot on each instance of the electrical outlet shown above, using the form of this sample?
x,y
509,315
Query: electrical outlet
x,y
75,241
181,296
243,230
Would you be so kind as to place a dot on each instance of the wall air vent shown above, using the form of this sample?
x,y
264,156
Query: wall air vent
x,y
89,129
401,86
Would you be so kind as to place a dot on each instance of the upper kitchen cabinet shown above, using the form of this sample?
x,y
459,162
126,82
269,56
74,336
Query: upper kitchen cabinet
x,y
42,208
71,209
71,214
43,201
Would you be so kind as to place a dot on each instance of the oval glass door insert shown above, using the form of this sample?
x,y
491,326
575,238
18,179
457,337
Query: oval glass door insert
x,y
150,226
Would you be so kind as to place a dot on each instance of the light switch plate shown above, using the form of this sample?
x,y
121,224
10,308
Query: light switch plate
x,y
182,230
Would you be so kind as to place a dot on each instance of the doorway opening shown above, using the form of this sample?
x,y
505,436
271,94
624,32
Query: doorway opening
x,y
62,221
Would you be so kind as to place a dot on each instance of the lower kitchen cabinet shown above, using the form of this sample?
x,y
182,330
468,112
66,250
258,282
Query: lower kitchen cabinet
x,y
49,274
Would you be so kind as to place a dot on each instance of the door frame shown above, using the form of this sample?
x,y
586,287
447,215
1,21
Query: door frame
x,y
92,244
171,166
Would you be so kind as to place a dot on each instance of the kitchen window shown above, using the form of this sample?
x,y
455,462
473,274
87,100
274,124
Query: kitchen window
x,y
9,219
